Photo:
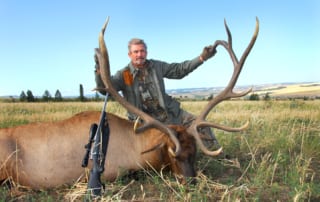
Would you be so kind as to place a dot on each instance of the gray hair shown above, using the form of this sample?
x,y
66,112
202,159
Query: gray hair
x,y
136,41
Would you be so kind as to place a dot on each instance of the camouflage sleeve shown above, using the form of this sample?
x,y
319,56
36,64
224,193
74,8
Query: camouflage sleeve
x,y
180,70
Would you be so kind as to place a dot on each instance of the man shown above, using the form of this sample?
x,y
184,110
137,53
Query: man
x,y
142,84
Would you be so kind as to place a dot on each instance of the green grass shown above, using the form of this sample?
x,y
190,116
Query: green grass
x,y
276,158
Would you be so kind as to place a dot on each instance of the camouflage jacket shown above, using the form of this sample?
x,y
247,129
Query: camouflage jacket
x,y
126,81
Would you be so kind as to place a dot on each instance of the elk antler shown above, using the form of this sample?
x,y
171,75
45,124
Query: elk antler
x,y
149,121
227,93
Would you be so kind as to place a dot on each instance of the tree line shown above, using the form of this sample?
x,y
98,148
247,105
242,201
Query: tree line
x,y
29,97
47,97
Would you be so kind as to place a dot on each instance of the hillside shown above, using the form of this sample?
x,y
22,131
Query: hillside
x,y
311,90
281,90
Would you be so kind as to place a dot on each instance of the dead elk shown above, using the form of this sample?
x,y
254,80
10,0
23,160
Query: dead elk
x,y
45,155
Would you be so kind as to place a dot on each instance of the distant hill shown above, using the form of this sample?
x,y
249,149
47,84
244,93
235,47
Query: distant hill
x,y
291,90
282,90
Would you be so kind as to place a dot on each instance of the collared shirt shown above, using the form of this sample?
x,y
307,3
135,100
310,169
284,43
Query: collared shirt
x,y
126,81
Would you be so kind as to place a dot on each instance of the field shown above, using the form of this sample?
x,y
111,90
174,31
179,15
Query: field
x,y
305,90
292,90
276,159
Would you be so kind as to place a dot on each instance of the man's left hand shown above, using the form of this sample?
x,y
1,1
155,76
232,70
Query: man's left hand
x,y
208,52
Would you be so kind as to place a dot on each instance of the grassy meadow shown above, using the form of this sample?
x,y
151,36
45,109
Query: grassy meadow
x,y
276,159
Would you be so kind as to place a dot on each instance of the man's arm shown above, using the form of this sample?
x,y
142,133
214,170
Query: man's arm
x,y
180,70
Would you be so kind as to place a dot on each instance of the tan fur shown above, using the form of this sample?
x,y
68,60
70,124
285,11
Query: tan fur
x,y
44,155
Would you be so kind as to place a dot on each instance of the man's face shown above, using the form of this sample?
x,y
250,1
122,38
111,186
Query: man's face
x,y
138,55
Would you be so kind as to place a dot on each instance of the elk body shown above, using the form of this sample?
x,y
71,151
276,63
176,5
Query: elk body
x,y
44,155
49,154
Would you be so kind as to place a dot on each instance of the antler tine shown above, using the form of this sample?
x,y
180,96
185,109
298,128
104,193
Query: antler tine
x,y
227,93
228,45
149,121
222,127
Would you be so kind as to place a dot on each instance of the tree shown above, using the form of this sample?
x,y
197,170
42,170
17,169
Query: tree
x,y
254,96
58,96
46,96
23,97
267,97
82,98
30,97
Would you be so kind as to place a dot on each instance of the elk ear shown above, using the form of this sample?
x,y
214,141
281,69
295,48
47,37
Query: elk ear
x,y
155,147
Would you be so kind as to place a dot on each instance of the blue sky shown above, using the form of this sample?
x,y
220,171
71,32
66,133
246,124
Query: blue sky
x,y
48,45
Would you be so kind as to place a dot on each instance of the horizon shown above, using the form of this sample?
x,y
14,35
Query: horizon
x,y
167,90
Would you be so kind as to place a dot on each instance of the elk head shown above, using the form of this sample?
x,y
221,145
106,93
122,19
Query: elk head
x,y
199,122
183,164
185,161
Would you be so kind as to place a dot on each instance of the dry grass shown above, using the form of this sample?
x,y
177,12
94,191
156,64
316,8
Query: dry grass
x,y
12,114
276,159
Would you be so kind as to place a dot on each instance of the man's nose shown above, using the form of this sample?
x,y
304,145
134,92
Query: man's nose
x,y
140,53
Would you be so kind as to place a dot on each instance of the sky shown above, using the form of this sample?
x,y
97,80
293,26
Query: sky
x,y
49,45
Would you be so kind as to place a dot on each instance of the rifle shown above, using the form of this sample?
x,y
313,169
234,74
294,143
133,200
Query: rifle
x,y
100,133
92,133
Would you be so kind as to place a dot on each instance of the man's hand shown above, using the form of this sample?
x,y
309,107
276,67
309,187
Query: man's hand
x,y
97,66
97,70
207,53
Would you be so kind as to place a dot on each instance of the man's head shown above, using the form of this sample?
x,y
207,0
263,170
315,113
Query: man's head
x,y
137,52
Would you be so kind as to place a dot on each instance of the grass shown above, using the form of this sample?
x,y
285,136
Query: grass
x,y
276,158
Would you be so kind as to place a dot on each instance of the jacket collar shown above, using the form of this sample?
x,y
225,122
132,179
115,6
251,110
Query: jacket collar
x,y
134,70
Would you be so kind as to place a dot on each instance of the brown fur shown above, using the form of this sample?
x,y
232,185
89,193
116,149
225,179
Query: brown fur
x,y
44,155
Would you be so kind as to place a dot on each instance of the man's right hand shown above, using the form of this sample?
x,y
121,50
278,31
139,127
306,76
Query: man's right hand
x,y
97,70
